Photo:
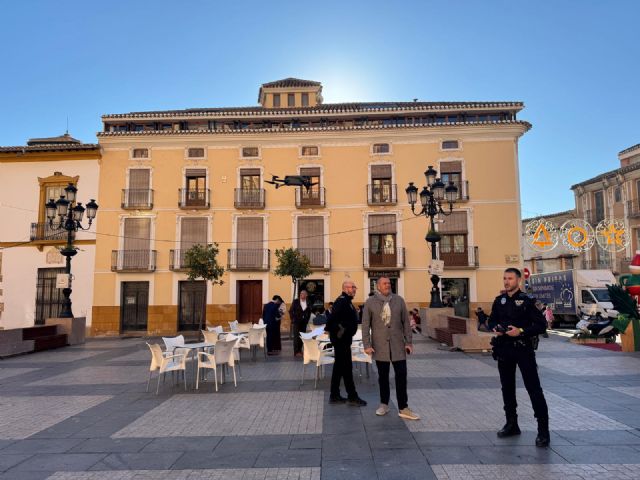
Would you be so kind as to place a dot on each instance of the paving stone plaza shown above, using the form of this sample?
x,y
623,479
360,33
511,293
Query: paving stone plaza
x,y
82,413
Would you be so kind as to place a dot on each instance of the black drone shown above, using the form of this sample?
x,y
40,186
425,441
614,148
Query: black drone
x,y
291,181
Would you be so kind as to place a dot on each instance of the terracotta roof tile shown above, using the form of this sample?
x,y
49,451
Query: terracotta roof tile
x,y
291,82
630,149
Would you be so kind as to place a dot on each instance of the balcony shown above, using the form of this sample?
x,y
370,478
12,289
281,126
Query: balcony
x,y
310,198
42,232
593,217
177,260
319,258
248,198
133,260
248,259
383,259
137,199
467,258
633,208
194,199
382,194
463,191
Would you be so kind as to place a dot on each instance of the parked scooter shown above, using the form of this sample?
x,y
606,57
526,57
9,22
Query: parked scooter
x,y
598,327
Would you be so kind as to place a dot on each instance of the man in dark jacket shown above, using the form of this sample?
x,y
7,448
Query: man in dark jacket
x,y
342,326
271,318
299,314
517,325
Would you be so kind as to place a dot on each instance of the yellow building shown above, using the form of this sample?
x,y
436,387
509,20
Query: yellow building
x,y
171,179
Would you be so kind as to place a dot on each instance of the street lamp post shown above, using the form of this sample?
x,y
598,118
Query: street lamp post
x,y
69,217
432,198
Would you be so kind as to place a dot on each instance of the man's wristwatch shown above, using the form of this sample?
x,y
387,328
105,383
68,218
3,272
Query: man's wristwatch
x,y
521,330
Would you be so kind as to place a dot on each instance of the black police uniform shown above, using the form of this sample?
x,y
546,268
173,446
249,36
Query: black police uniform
x,y
342,326
520,311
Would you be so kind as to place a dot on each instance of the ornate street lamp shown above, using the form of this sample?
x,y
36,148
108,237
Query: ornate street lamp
x,y
432,198
66,214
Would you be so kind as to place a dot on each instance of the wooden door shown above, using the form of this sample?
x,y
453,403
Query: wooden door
x,y
249,300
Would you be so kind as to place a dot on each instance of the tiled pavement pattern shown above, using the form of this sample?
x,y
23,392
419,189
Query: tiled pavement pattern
x,y
82,413
259,413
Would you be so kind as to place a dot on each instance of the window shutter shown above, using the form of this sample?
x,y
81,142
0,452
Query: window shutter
x,y
451,167
139,178
380,171
310,232
193,231
196,172
454,223
310,171
250,233
250,171
137,233
382,224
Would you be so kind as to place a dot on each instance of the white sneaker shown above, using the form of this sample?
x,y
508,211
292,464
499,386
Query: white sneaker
x,y
408,414
383,409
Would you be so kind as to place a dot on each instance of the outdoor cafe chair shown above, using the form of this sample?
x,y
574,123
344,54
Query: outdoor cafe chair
x,y
225,355
207,361
164,364
233,326
313,354
173,344
256,340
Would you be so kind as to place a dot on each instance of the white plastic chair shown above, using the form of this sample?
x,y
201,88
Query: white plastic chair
x,y
244,327
233,326
358,336
359,356
164,364
173,344
261,322
224,355
207,361
217,329
317,331
306,335
313,354
210,337
256,340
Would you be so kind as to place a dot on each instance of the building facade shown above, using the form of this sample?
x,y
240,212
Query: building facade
x,y
612,195
29,255
560,258
172,179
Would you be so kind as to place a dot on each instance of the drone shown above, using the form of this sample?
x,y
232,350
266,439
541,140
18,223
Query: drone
x,y
291,181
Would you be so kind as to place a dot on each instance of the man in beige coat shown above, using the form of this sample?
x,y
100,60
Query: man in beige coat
x,y
386,334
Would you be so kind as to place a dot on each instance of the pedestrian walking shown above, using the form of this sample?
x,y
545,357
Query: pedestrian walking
x,y
341,327
271,317
518,324
299,313
386,334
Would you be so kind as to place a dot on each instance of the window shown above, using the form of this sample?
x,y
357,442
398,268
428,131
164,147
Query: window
x,y
454,240
312,195
250,179
140,153
305,99
250,152
381,187
538,265
291,100
450,145
617,194
599,210
587,297
452,172
193,231
197,152
276,100
196,188
51,188
311,239
136,244
309,151
380,148
139,193
382,241
249,244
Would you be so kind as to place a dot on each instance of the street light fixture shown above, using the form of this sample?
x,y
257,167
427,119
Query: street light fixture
x,y
65,214
432,198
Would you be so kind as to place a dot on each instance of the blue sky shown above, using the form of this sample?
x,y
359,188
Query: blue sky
x,y
574,64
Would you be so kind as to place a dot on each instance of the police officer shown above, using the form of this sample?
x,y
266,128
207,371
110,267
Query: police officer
x,y
517,323
342,326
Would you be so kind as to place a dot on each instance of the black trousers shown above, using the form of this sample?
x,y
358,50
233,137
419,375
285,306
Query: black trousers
x,y
298,327
273,337
525,359
400,373
342,369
